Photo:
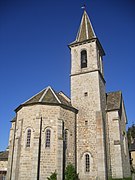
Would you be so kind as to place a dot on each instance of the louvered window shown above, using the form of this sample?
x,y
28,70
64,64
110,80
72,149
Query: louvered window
x,y
83,59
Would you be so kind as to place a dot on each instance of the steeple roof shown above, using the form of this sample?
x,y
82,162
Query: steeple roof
x,y
85,31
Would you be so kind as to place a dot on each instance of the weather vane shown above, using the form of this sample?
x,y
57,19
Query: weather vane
x,y
84,7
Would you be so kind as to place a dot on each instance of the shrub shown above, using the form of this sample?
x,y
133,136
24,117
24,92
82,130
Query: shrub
x,y
53,176
70,173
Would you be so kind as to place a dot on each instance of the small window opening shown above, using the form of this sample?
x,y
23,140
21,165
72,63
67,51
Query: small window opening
x,y
83,59
86,94
87,163
48,137
28,138
86,123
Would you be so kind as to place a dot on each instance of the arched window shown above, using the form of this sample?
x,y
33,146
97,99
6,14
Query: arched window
x,y
83,59
28,138
66,137
48,138
87,163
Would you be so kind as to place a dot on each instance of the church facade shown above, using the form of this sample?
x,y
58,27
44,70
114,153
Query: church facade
x,y
51,130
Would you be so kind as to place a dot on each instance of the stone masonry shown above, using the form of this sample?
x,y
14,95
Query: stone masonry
x,y
25,161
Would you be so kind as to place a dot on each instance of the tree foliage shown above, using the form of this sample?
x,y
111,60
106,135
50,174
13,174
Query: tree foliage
x,y
131,134
70,173
53,176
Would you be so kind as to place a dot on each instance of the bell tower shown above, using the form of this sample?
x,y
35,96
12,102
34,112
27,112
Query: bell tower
x,y
88,96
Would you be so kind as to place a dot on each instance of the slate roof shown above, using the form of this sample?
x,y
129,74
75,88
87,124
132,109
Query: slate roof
x,y
49,96
114,100
4,156
14,119
86,33
86,30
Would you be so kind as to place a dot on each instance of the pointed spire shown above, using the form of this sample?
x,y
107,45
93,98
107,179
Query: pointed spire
x,y
86,30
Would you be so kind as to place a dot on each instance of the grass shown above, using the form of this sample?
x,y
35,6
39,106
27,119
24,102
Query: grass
x,y
129,178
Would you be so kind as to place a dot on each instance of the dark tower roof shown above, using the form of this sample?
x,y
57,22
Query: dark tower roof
x,y
85,31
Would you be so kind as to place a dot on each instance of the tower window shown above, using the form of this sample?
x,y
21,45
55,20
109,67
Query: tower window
x,y
87,163
48,137
28,138
83,59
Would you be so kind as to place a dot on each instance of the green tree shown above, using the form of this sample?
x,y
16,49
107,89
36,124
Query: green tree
x,y
53,176
131,134
133,131
70,173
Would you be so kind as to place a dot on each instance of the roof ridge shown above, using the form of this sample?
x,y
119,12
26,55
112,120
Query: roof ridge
x,y
114,92
90,24
43,94
64,96
55,94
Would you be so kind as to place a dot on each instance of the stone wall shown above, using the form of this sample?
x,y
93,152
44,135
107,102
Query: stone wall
x,y
11,149
92,57
120,165
3,165
37,160
69,119
124,143
3,168
115,147
133,158
86,95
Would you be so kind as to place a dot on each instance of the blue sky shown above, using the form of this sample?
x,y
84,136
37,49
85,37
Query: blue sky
x,y
34,35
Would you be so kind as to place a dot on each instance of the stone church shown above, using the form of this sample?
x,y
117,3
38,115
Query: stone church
x,y
51,130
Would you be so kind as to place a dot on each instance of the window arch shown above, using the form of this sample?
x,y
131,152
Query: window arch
x,y
83,59
28,140
48,138
87,163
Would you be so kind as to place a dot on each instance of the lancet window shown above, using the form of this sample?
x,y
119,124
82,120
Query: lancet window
x,y
48,138
28,138
87,163
83,59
